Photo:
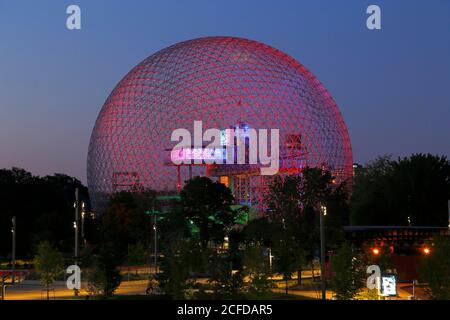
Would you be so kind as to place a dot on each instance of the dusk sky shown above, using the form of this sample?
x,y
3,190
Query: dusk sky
x,y
391,85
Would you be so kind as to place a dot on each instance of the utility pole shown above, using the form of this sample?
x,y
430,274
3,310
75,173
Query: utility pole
x,y
76,222
156,240
155,235
322,213
13,255
75,226
448,204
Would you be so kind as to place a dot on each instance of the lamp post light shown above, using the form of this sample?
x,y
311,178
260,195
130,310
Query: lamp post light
x,y
322,214
83,213
75,230
271,261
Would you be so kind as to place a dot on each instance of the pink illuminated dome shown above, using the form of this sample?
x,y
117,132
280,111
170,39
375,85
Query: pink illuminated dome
x,y
222,81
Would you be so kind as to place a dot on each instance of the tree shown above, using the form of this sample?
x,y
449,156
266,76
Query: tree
x,y
208,205
227,283
257,269
288,259
137,254
294,204
409,191
104,277
43,207
48,264
423,187
287,214
262,230
175,225
348,273
177,266
125,222
435,269
279,235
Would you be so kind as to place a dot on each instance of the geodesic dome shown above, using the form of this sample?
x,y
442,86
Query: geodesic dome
x,y
221,81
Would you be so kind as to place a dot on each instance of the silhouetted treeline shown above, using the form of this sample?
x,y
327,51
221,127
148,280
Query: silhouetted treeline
x,y
407,191
44,209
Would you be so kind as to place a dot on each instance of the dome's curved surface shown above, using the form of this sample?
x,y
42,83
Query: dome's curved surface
x,y
221,81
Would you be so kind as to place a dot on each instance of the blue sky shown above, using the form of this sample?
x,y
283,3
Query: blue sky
x,y
392,85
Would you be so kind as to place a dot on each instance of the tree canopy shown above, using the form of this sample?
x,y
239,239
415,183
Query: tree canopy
x,y
408,191
208,205
43,207
49,264
435,269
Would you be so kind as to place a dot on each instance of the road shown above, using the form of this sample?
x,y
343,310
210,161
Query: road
x,y
33,290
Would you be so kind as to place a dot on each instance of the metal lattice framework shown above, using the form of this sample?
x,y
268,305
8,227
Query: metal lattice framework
x,y
221,81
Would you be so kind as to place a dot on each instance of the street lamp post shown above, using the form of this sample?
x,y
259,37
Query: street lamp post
x,y
13,254
448,205
322,213
75,227
155,234
75,224
156,241
83,213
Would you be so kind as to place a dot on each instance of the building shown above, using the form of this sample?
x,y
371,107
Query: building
x,y
407,245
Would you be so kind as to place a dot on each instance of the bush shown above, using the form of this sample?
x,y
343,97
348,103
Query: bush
x,y
104,277
348,273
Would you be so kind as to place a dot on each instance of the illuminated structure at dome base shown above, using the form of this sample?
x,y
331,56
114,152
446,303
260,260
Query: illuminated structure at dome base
x,y
245,181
